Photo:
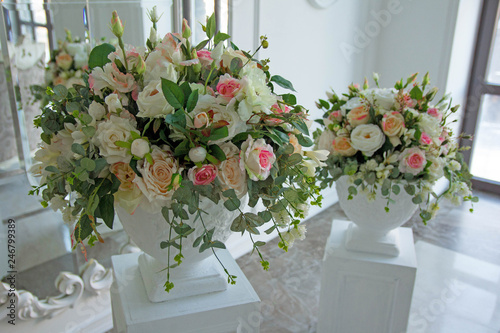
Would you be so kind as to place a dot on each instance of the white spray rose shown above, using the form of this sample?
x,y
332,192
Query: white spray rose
x,y
113,103
97,110
139,148
197,154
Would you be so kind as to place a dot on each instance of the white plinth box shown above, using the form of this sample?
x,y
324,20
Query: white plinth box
x,y
236,309
363,292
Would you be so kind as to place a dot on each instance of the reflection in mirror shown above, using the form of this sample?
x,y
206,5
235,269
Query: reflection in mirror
x,y
34,33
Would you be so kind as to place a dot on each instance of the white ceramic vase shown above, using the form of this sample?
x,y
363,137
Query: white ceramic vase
x,y
199,273
373,229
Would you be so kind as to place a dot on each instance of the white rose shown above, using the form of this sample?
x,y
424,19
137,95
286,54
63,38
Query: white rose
x,y
113,103
74,48
139,148
436,168
115,129
325,140
197,154
97,110
367,138
157,67
430,125
455,166
384,98
351,104
152,103
254,94
81,59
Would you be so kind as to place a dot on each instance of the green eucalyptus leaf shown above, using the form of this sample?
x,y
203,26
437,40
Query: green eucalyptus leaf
x,y
282,82
232,204
99,55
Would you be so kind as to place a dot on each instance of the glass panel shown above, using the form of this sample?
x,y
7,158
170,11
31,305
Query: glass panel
x,y
486,143
493,72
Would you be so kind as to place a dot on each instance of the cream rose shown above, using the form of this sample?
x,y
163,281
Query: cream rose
x,y
128,195
152,103
367,138
342,145
64,61
230,173
358,116
158,177
393,125
108,132
257,157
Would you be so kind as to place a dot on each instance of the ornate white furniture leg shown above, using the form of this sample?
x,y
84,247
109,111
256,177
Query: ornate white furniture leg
x,y
364,292
236,309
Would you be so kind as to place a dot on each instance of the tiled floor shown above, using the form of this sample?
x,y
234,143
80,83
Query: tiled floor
x,y
458,279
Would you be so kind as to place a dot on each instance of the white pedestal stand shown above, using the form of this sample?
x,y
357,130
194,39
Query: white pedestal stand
x,y
363,292
236,309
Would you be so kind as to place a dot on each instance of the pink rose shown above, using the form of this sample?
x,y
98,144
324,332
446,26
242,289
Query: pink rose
x,y
408,101
425,139
412,160
205,57
434,112
257,157
335,116
204,175
228,86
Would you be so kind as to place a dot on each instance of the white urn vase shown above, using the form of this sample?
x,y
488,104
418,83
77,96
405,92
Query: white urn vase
x,y
374,230
199,273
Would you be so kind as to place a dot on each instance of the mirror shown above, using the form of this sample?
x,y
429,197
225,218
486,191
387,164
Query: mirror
x,y
30,31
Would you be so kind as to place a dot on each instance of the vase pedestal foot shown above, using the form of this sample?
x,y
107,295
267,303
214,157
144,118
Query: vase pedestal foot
x,y
365,292
360,241
206,276
237,308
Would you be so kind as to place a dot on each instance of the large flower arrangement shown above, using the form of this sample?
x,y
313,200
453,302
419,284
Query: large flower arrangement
x,y
160,127
66,66
393,139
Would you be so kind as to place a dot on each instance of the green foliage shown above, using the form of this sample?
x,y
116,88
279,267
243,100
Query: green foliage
x,y
99,55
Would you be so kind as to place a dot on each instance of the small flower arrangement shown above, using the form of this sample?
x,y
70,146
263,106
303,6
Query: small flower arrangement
x,y
393,139
160,127
66,67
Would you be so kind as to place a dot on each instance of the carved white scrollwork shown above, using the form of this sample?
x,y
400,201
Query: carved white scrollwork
x,y
94,278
